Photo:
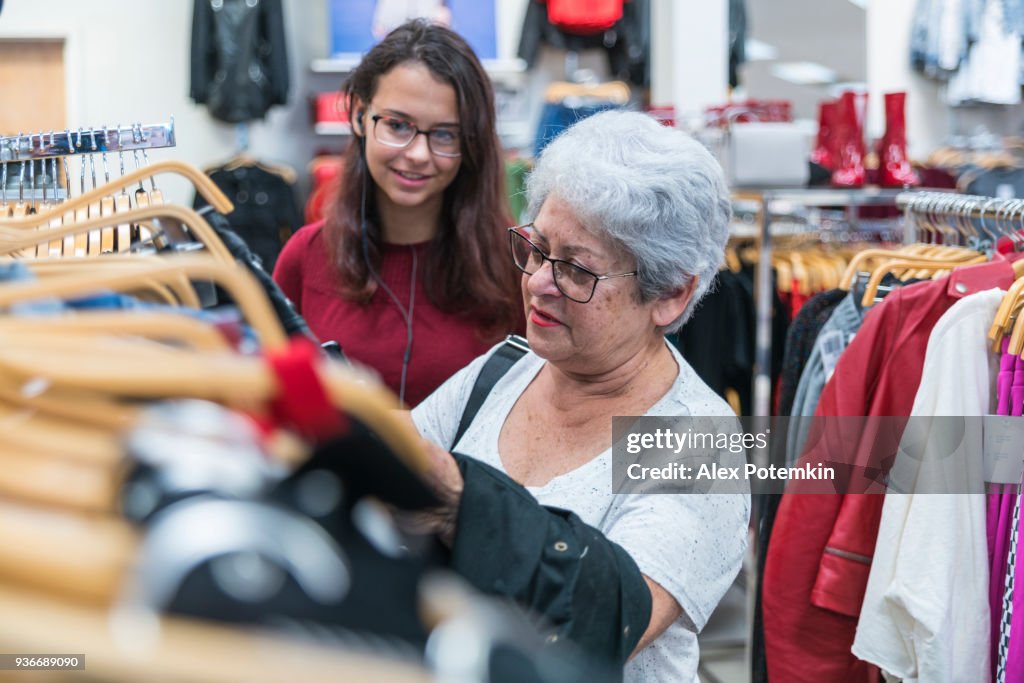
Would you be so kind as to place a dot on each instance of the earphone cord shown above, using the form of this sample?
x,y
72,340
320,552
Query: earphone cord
x,y
406,314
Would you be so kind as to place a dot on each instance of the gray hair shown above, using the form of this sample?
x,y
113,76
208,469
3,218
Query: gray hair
x,y
653,190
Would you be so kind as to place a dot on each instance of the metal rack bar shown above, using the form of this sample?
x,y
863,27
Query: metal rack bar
x,y
46,145
777,202
963,205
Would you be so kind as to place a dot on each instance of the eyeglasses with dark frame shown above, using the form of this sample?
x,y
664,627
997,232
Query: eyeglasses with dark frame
x,y
574,281
399,133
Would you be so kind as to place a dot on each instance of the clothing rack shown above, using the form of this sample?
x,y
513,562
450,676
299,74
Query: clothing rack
x,y
68,142
965,206
776,202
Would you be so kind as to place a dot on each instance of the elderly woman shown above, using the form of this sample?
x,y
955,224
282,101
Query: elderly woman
x,y
630,221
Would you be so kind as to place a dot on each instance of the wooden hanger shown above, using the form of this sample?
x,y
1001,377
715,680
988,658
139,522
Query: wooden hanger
x,y
616,92
203,185
152,371
239,283
244,159
19,234
172,328
863,257
181,650
182,290
933,267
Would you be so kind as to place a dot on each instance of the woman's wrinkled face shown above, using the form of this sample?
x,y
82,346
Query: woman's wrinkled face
x,y
411,176
591,337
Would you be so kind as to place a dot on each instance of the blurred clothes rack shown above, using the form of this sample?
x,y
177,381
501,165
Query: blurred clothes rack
x,y
853,568
774,203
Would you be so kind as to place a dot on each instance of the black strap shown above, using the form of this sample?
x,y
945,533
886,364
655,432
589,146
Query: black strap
x,y
514,348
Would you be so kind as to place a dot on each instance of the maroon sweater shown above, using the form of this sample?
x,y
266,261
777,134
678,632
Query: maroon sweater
x,y
374,334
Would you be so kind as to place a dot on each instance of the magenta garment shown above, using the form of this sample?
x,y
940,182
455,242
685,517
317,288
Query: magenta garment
x,y
999,516
999,525
1017,389
1004,380
1015,656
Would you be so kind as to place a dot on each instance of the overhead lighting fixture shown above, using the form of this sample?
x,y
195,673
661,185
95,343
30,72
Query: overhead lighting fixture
x,y
759,51
804,73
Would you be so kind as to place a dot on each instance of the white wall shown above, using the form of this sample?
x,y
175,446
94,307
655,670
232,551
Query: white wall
x,y
128,61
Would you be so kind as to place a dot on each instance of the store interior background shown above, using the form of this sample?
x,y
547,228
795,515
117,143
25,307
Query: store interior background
x,y
127,61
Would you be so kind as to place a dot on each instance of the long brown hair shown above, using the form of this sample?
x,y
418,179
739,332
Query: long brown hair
x,y
468,267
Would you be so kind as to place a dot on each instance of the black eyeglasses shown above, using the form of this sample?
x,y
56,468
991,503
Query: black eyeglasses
x,y
575,282
399,133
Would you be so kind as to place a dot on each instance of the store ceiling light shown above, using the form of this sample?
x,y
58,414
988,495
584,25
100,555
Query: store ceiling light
x,y
760,51
804,73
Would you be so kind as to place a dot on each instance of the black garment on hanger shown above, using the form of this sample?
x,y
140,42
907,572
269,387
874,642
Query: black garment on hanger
x,y
291,321
628,43
719,339
737,39
266,213
800,342
239,58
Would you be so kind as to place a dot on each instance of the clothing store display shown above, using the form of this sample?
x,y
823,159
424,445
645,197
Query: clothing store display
x,y
824,152
239,57
374,334
693,551
584,17
818,562
932,546
627,43
849,133
266,213
895,169
991,71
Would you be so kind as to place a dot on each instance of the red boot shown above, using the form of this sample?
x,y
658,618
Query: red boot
x,y
824,154
849,162
893,166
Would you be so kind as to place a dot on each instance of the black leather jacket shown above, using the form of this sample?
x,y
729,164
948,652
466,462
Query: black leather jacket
x,y
239,58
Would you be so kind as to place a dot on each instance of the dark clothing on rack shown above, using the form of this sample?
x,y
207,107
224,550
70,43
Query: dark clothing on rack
x,y
719,340
737,39
266,213
291,322
800,341
239,58
628,43
557,116
820,555
588,589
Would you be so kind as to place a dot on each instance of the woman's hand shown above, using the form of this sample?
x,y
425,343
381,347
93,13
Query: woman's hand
x,y
445,479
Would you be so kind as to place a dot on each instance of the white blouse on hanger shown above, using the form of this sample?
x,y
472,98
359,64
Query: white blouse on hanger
x,y
925,615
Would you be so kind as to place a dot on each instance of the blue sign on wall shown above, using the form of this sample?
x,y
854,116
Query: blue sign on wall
x,y
357,25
